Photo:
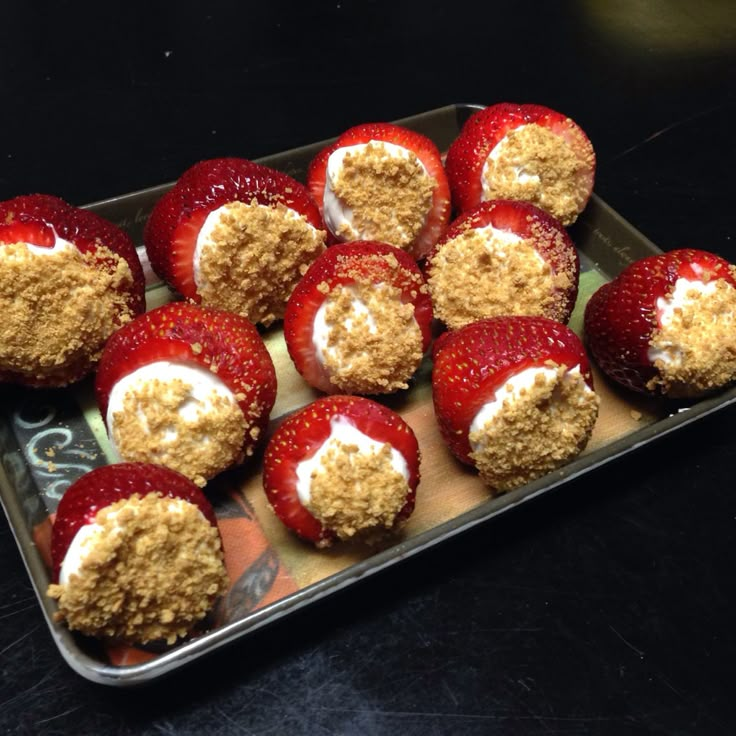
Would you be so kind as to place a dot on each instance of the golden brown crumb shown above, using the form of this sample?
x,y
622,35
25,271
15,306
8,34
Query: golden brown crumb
x,y
538,430
155,570
59,309
151,428
254,259
390,196
554,175
636,415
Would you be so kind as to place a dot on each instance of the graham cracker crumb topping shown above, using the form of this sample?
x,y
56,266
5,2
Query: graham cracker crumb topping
x,y
389,195
536,431
254,259
151,572
539,166
160,424
59,309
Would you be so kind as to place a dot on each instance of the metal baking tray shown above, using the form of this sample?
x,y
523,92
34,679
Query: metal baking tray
x,y
50,438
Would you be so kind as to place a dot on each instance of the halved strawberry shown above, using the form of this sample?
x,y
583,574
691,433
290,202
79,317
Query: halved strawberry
x,y
513,396
360,319
380,200
177,339
136,554
665,325
503,257
527,152
68,279
251,260
342,466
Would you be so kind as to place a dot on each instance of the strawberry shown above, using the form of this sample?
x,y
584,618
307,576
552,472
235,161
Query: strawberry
x,y
360,319
178,338
503,257
323,500
251,259
539,155
510,396
382,196
68,279
665,324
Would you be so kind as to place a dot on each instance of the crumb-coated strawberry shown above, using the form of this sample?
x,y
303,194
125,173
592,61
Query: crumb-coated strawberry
x,y
342,467
513,396
527,152
137,555
359,321
382,182
503,257
666,325
68,280
235,235
188,387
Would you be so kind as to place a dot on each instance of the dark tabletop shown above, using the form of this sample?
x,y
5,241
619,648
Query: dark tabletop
x,y
604,607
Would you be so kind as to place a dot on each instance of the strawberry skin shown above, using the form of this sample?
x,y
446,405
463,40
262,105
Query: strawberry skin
x,y
473,362
421,146
302,434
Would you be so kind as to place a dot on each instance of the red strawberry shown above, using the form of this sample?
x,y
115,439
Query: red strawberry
x,y
542,425
140,583
60,312
225,345
379,501
545,158
384,203
645,341
251,266
475,272
352,356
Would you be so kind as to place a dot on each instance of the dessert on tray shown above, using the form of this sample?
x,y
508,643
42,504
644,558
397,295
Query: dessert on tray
x,y
235,235
342,467
187,387
666,325
382,182
526,152
514,397
137,555
68,280
359,321
503,257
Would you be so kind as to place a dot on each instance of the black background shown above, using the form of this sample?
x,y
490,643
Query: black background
x,y
605,607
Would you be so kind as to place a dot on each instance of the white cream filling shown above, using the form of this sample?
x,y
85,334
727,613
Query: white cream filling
x,y
60,245
204,383
337,214
343,431
499,150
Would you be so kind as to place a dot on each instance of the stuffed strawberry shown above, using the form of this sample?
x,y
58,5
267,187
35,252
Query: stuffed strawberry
x,y
235,235
503,257
68,280
514,397
666,325
187,387
382,182
137,554
342,467
525,152
359,321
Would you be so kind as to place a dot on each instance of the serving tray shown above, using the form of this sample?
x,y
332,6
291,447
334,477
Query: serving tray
x,y
49,438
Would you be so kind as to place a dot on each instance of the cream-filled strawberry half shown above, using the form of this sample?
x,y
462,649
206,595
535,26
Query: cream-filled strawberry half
x,y
343,467
235,235
503,258
514,397
382,182
523,152
665,325
359,321
187,387
68,280
137,555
